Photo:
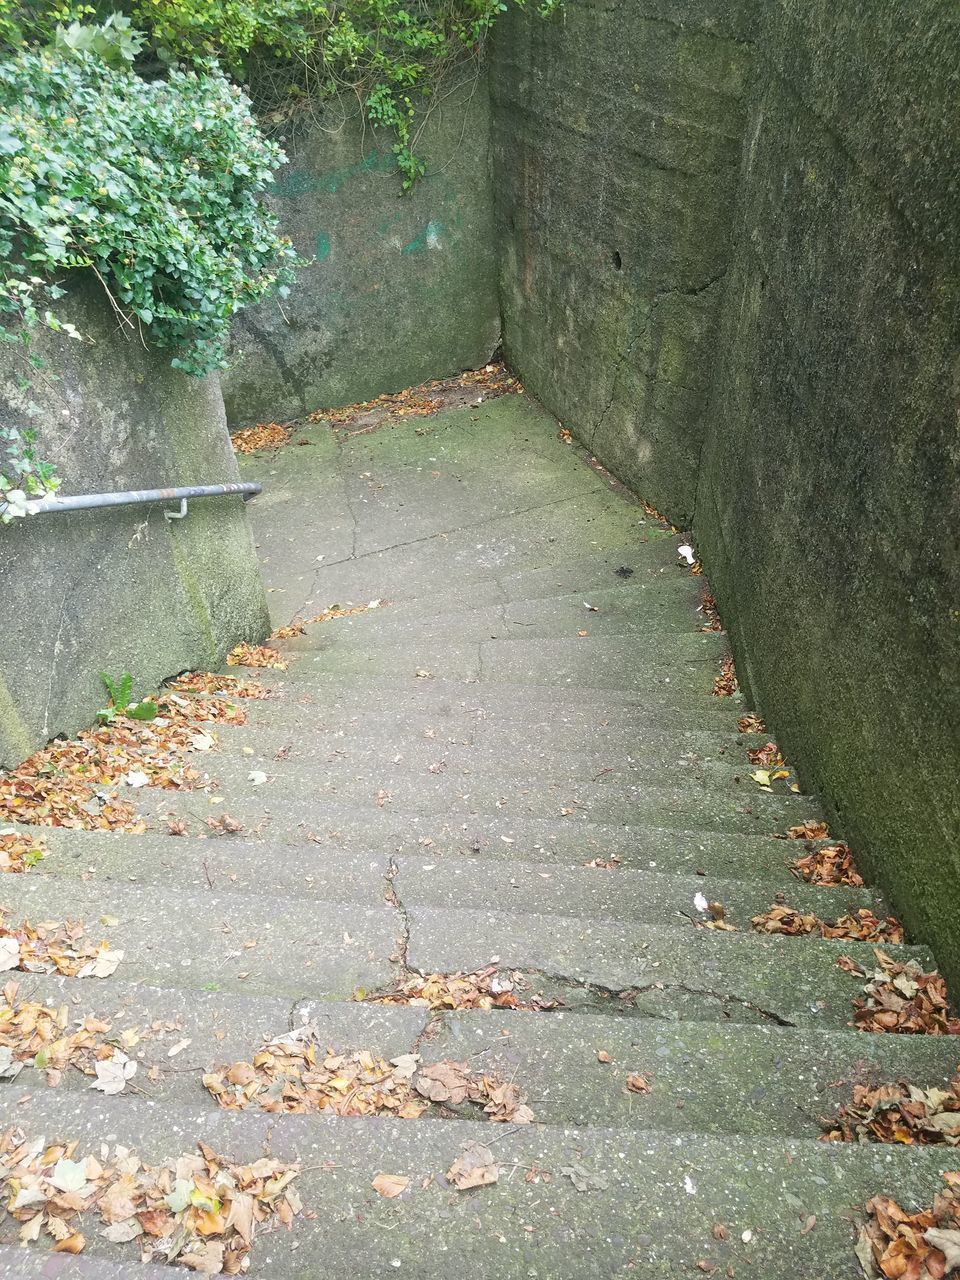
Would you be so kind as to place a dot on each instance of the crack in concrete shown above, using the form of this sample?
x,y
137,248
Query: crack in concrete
x,y
464,528
602,992
403,938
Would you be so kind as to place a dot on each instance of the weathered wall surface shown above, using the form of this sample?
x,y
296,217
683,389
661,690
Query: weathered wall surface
x,y
617,135
402,288
119,590
828,505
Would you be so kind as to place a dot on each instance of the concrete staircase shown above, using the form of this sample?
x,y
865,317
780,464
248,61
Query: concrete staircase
x,y
440,770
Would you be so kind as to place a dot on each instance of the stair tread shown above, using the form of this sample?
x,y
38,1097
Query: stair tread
x,y
734,1078
659,1198
420,876
360,831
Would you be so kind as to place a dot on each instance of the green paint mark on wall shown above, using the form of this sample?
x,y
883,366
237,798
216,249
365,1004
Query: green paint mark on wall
x,y
429,238
323,247
303,182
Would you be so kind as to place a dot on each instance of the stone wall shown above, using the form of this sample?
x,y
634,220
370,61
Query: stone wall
x,y
402,288
828,503
617,133
120,590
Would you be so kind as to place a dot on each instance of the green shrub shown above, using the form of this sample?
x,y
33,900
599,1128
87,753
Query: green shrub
x,y
388,55
152,185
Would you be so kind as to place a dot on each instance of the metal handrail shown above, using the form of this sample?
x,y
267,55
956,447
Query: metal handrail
x,y
138,497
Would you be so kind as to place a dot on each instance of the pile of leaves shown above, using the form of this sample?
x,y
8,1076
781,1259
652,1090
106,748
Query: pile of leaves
x,y
830,864
264,435
751,723
339,611
711,619
899,1113
54,946
294,1074
725,685
861,924
901,998
207,682
18,852
76,782
299,626
256,655
812,829
39,1035
912,1246
487,988
413,402
488,382
196,1209
769,756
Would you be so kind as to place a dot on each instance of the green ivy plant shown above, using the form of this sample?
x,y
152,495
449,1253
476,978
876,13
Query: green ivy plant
x,y
391,56
152,185
23,475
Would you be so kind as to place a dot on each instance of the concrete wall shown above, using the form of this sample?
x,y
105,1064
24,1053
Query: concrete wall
x,y
617,135
403,287
122,590
828,504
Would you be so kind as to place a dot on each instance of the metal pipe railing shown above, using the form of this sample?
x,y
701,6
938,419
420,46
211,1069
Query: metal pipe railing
x,y
137,497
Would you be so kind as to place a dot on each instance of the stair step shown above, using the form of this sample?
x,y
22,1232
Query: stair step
x,y
327,949
707,758
541,537
292,798
743,977
420,878
299,696
688,672
664,612
351,830
655,1206
188,937
651,562
652,896
483,767
705,1078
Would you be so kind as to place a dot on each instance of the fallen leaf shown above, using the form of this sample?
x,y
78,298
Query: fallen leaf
x,y
389,1185
113,1073
584,1179
638,1083
473,1167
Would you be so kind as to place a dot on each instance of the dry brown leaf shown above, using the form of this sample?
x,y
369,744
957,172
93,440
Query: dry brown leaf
x,y
390,1185
830,864
725,685
487,988
473,1167
265,435
256,655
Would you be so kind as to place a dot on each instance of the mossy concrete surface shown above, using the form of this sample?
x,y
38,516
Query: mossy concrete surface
x,y
123,589
399,288
371,848
617,134
828,499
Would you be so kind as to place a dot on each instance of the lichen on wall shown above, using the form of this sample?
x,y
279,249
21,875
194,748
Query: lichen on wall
x,y
830,484
617,143
399,287
122,589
